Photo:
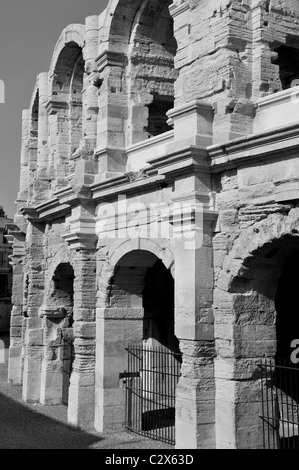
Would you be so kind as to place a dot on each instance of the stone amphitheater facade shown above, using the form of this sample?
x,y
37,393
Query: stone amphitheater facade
x,y
189,107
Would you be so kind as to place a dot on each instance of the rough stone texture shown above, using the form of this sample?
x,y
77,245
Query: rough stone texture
x,y
5,274
149,107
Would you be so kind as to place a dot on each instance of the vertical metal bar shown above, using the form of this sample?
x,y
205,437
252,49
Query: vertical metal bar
x,y
163,392
282,417
296,380
291,378
263,411
129,390
136,395
172,387
285,396
167,386
145,386
133,387
273,411
157,396
140,395
168,370
267,403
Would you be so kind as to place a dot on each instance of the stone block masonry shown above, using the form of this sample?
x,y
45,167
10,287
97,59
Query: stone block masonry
x,y
147,105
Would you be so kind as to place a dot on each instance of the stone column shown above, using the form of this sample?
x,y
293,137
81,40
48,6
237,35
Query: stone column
x,y
82,384
90,94
33,341
113,114
17,318
194,223
24,179
17,261
43,81
195,396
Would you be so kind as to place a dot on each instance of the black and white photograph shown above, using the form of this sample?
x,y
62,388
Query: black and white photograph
x,y
149,227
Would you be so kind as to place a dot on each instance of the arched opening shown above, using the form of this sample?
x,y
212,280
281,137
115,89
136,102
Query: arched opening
x,y
75,103
140,278
62,293
139,318
286,375
33,143
60,322
158,304
151,72
287,308
267,321
67,94
155,360
34,118
287,59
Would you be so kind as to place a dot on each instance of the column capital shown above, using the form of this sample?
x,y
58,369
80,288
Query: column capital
x,y
110,58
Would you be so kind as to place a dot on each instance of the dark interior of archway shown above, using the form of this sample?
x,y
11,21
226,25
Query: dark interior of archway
x,y
157,117
154,52
288,62
34,118
286,376
158,304
63,292
287,307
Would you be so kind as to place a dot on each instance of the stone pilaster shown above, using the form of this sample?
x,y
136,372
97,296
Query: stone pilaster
x,y
33,340
113,114
195,395
15,364
81,402
91,89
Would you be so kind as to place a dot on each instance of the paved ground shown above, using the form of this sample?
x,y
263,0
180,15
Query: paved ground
x,y
34,426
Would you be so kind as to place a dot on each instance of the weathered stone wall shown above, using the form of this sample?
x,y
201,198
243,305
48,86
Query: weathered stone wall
x,y
111,85
5,273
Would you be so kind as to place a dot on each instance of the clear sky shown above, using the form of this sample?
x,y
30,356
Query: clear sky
x,y
29,30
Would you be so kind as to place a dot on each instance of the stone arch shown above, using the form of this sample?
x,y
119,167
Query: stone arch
x,y
252,240
57,314
152,48
142,38
247,285
126,315
161,249
72,34
33,139
246,320
34,98
116,11
66,85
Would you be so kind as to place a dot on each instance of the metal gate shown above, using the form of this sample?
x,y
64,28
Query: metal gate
x,y
280,404
151,381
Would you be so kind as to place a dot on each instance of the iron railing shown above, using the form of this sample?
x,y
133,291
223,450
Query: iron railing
x,y
151,381
280,404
